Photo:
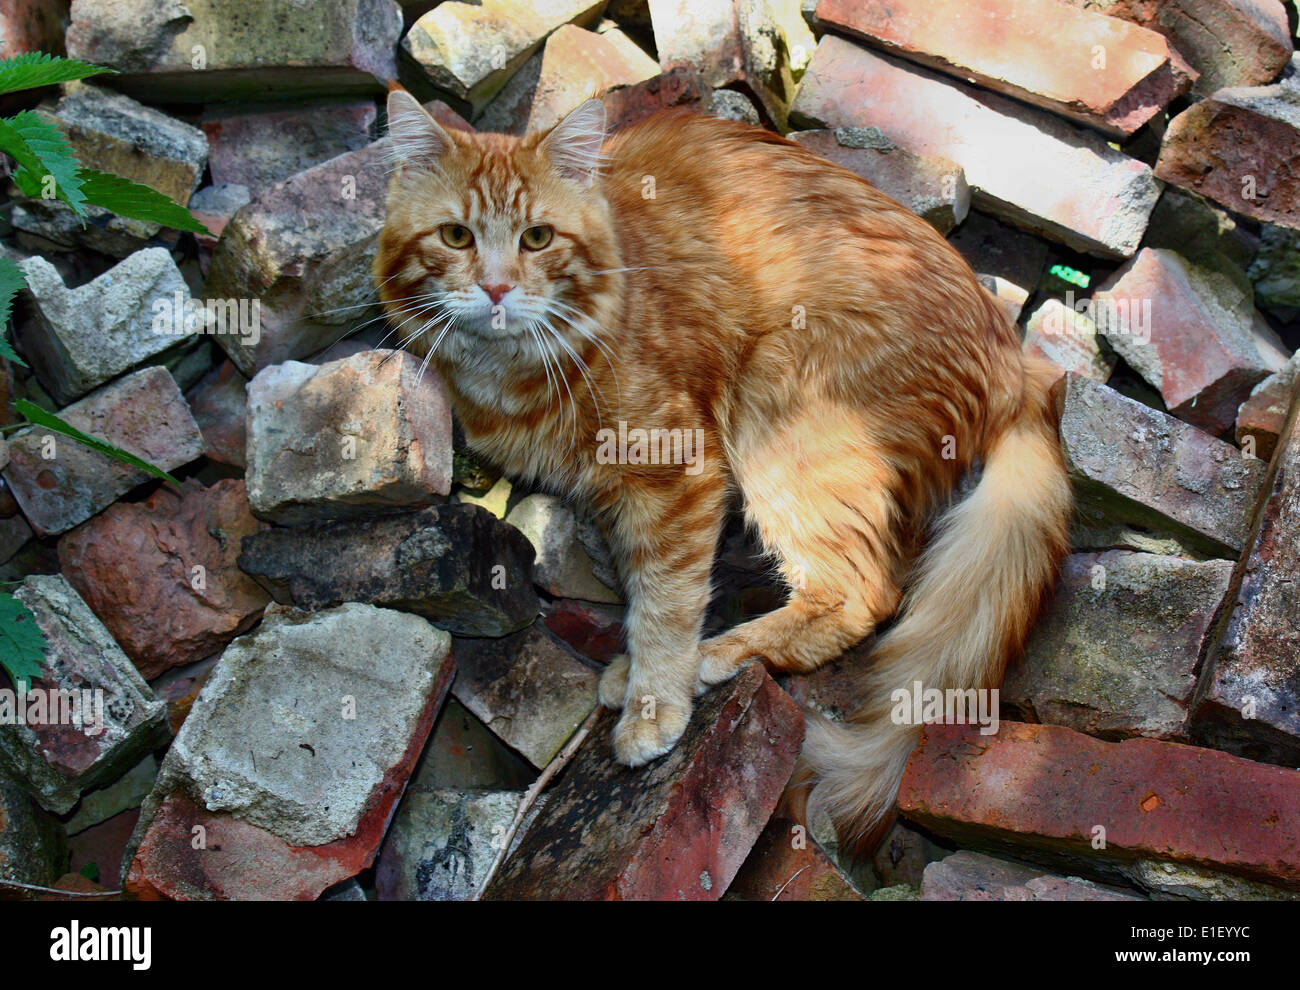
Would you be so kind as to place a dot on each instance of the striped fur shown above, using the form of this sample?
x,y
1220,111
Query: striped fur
x,y
843,365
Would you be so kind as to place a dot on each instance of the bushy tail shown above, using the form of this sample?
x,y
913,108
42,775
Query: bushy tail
x,y
977,590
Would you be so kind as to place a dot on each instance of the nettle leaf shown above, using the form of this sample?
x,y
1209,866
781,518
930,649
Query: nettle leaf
x,y
40,417
41,150
32,70
130,199
22,644
11,280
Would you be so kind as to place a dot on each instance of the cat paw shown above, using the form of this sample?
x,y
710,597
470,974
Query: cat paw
x,y
613,683
638,740
719,663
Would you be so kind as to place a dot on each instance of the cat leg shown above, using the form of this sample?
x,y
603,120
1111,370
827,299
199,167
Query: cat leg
x,y
834,539
666,541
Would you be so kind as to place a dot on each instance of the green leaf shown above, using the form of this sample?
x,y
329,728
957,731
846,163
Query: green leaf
x,y
130,199
11,280
40,149
22,644
35,414
34,69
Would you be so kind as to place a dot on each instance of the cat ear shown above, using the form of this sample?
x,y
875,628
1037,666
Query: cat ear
x,y
573,146
418,140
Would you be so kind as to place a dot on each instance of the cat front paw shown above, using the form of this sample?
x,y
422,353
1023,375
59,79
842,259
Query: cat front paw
x,y
638,739
613,682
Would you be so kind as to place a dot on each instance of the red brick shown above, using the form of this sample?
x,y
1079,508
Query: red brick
x,y
1029,167
787,864
1048,787
626,105
1038,51
1229,42
577,64
1207,345
677,829
1238,147
135,567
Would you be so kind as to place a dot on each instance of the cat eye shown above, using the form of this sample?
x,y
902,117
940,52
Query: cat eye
x,y
536,238
456,235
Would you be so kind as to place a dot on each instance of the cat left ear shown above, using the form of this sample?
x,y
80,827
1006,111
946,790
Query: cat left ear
x,y
573,146
418,140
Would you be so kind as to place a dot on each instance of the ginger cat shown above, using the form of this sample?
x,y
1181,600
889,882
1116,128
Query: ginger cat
x,y
842,367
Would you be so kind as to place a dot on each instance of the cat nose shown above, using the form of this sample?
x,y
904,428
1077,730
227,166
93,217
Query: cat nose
x,y
495,292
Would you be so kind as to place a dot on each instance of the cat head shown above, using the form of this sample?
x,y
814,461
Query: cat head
x,y
494,242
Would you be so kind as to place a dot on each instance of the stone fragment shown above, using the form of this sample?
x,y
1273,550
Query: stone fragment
x,y
442,844
743,46
1133,465
161,574
494,500
469,50
625,105
595,631
730,104
577,64
1014,156
903,856
111,132
1275,269
297,260
60,483
972,876
786,864
33,848
126,793
1115,652
1182,881
259,149
133,314
677,829
1237,147
464,755
180,686
367,433
530,688
114,133
204,50
14,534
1049,788
1262,417
933,188
1192,332
1068,338
1249,697
456,565
507,112
88,717
563,566
1229,42
219,404
213,206
294,756
1199,230
1037,51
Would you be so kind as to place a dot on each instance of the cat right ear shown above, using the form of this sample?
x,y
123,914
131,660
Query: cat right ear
x,y
419,141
